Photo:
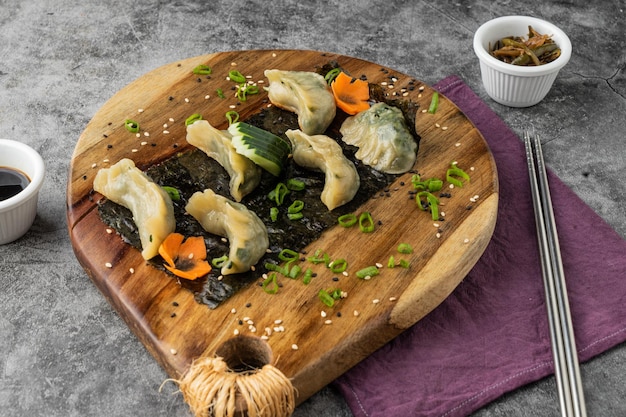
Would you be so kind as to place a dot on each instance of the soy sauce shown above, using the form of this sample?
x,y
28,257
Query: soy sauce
x,y
12,182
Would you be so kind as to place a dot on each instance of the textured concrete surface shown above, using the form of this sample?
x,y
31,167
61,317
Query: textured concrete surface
x,y
65,352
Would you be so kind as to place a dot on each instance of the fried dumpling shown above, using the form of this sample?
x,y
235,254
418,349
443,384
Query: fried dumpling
x,y
245,231
305,93
324,153
152,208
385,142
244,174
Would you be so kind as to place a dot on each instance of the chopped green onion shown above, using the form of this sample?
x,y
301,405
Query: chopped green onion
x,y
405,248
295,216
244,89
367,272
339,265
294,272
434,103
220,93
308,276
347,220
273,214
270,285
331,75
288,255
432,201
278,193
236,76
296,207
202,70
391,263
366,223
131,125
326,298
295,185
319,257
232,116
277,268
172,192
192,119
404,263
219,262
455,171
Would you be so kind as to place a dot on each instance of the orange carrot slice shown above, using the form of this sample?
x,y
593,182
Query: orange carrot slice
x,y
351,94
185,259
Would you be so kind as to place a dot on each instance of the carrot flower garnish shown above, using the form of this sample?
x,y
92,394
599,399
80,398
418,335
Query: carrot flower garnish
x,y
185,259
351,94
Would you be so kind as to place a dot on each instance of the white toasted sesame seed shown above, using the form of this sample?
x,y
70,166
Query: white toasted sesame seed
x,y
138,135
236,332
392,299
379,265
329,321
264,337
355,313
186,100
207,97
424,110
171,119
109,231
375,301
139,110
233,310
444,128
279,321
323,314
437,125
457,144
466,240
294,347
438,235
166,132
94,165
131,270
173,351
108,265
144,143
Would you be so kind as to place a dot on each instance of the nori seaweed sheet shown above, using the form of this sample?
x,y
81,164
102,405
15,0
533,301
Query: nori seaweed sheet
x,y
193,171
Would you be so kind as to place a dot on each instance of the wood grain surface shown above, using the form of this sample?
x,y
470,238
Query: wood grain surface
x,y
176,329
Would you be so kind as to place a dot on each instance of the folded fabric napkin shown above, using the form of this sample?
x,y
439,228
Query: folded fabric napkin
x,y
491,334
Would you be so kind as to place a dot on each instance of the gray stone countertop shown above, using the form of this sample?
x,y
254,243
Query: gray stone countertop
x,y
65,352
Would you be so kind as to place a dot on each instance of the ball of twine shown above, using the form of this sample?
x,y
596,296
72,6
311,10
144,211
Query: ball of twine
x,y
238,381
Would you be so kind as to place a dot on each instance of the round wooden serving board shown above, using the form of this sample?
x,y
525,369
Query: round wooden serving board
x,y
176,329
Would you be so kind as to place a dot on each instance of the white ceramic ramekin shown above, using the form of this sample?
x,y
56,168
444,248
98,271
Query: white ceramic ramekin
x,y
514,85
18,212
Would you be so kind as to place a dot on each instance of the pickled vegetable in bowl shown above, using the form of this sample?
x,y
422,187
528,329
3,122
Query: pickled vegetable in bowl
x,y
537,49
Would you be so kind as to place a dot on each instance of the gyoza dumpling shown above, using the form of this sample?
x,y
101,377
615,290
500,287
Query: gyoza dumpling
x,y
152,208
321,152
243,228
383,138
305,93
244,174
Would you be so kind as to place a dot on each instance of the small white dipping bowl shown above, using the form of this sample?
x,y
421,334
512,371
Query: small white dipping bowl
x,y
17,213
515,85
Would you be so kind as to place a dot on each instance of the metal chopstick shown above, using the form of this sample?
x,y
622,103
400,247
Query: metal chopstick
x,y
566,367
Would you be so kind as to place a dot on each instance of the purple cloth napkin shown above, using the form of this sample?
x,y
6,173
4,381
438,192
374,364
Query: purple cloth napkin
x,y
491,335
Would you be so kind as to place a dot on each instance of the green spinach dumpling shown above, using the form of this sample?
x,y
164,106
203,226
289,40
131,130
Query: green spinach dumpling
x,y
383,138
305,93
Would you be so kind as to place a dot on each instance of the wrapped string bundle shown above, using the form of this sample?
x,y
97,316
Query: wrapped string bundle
x,y
238,381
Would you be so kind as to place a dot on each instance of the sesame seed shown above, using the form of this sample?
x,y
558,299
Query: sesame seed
x,y
144,143
109,231
355,313
392,299
438,235
173,351
421,88
379,265
264,337
424,110
444,128
171,119
279,321
323,313
436,224
166,132
437,125
236,332
457,144
186,100
329,321
233,310
466,240
94,165
139,110
207,97
134,150
294,347
146,133
375,301
108,265
138,135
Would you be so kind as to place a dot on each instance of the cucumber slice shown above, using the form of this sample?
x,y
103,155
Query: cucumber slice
x,y
262,147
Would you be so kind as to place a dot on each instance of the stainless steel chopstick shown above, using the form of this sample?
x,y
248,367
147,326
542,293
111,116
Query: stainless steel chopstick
x,y
567,370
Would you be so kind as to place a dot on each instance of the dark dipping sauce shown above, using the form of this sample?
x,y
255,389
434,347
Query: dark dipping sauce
x,y
12,182
193,171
